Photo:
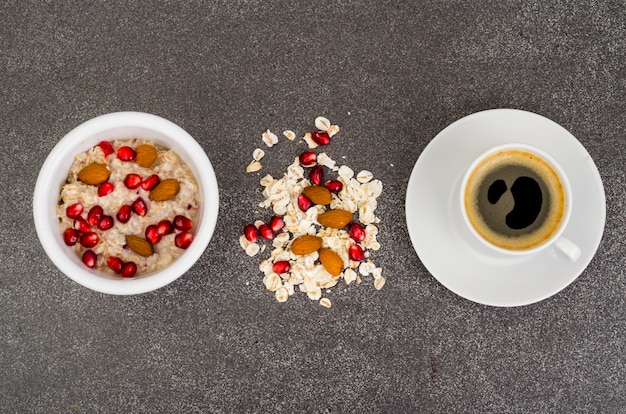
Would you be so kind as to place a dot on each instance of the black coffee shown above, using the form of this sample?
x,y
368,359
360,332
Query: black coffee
x,y
514,199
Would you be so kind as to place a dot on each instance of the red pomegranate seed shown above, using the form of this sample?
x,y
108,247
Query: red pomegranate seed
x,y
132,181
357,232
266,231
106,148
129,269
106,222
277,223
281,267
152,234
74,210
304,203
81,225
317,175
89,239
165,227
356,253
95,215
115,263
105,188
321,137
70,237
126,153
89,259
251,233
182,223
334,185
139,206
183,239
308,158
150,182
123,215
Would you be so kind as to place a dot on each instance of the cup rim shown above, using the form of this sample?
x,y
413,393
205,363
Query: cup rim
x,y
566,190
86,135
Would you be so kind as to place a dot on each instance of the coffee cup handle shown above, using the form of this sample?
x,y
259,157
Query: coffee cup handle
x,y
569,248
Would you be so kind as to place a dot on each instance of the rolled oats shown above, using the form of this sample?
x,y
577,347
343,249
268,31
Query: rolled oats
x,y
253,166
358,196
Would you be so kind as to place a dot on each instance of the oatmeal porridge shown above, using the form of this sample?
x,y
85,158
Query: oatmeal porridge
x,y
128,207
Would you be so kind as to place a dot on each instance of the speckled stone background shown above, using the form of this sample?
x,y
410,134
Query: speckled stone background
x,y
392,74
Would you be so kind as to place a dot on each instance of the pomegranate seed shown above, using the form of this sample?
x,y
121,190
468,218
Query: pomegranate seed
x,y
129,269
89,239
152,234
182,223
165,227
251,233
183,239
95,215
281,267
321,137
81,225
357,232
106,148
356,253
304,203
74,210
150,182
139,206
308,158
317,175
126,153
106,222
89,259
266,231
277,223
115,263
70,237
132,181
105,188
123,215
335,186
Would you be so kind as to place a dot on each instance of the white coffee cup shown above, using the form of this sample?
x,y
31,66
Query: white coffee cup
x,y
516,242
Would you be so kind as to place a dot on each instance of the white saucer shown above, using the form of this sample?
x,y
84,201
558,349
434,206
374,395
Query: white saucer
x,y
445,245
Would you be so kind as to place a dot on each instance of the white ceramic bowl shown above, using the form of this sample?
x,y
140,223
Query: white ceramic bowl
x,y
122,125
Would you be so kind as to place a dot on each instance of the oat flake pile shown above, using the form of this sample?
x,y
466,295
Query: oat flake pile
x,y
321,229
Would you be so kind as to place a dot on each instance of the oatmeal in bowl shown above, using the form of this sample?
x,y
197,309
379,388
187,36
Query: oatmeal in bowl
x,y
126,203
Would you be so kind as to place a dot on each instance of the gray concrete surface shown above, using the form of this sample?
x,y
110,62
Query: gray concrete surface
x,y
392,74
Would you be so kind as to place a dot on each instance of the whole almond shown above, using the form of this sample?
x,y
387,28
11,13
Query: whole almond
x,y
94,174
306,244
336,219
139,245
146,155
318,194
165,190
331,261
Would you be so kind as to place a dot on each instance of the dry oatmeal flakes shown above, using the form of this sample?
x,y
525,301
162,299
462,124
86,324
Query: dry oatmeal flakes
x,y
306,273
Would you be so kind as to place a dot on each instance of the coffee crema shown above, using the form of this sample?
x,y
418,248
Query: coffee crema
x,y
514,199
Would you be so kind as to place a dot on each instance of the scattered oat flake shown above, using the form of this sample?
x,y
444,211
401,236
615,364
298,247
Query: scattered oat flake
x,y
269,138
379,283
281,294
309,140
322,123
289,134
254,166
258,154
325,302
252,249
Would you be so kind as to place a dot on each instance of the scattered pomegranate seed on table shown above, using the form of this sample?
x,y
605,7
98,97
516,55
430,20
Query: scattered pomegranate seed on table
x,y
251,233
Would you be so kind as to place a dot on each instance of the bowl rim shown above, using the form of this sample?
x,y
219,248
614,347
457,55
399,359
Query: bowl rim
x,y
70,145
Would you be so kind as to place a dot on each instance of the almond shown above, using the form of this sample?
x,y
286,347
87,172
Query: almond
x,y
165,190
146,155
306,244
94,174
139,245
331,261
336,219
318,194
